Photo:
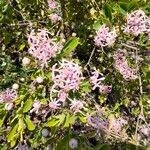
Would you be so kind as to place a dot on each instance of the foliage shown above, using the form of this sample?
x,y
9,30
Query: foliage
x,y
100,112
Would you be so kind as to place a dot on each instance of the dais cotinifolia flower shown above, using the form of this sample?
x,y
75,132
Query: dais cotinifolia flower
x,y
137,22
66,76
104,37
41,46
121,64
96,82
8,95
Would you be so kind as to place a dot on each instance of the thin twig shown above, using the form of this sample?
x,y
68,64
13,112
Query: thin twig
x,y
129,46
19,12
90,57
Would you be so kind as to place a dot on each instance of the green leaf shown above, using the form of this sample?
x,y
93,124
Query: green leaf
x,y
51,123
20,124
123,5
70,119
61,118
13,143
2,117
85,86
29,123
69,47
103,147
83,119
27,105
107,11
132,5
97,25
21,47
12,133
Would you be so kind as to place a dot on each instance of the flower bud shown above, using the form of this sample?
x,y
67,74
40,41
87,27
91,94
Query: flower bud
x,y
22,79
15,86
45,132
74,34
73,143
26,61
36,104
63,40
9,106
39,80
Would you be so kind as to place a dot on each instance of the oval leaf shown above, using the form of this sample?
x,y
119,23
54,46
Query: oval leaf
x,y
29,123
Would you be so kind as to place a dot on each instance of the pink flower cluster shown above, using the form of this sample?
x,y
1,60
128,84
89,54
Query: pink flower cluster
x,y
97,82
54,6
41,46
55,18
105,37
137,22
68,76
8,95
121,64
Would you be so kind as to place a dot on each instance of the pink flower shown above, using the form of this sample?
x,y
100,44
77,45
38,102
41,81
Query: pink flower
x,y
121,64
96,82
145,129
76,106
55,18
36,107
104,37
54,105
52,4
105,89
8,95
136,23
68,76
62,96
41,46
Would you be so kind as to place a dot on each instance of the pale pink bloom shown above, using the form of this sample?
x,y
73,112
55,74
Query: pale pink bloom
x,y
104,37
52,4
67,76
121,64
36,107
96,82
145,129
105,89
136,23
26,61
54,105
76,106
39,79
62,96
41,46
8,95
55,18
